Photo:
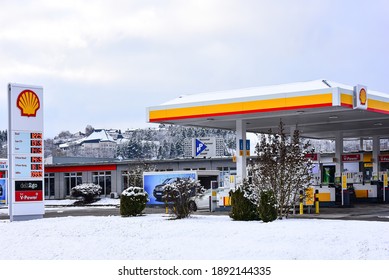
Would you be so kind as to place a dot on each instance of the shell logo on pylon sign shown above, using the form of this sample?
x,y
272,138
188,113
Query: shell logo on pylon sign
x,y
362,96
28,103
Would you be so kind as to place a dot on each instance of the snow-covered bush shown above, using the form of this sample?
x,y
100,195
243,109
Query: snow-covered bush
x,y
178,194
133,201
88,191
244,203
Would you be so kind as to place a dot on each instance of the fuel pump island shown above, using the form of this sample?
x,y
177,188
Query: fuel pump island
x,y
320,109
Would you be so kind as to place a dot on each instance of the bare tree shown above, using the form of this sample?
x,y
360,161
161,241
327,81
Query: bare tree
x,y
134,174
282,167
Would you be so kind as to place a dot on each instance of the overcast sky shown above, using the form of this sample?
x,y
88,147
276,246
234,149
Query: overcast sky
x,y
103,62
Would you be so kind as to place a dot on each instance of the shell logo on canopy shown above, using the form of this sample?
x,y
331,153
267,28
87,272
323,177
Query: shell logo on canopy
x,y
362,96
28,103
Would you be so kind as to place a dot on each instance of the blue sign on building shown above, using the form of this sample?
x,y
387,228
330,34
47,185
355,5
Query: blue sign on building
x,y
247,144
200,147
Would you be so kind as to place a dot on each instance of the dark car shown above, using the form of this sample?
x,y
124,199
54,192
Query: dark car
x,y
158,189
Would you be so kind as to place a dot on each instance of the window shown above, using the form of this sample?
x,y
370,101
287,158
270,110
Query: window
x,y
103,178
71,180
49,185
126,180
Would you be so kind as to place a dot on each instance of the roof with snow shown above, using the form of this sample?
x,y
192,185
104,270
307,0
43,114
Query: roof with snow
x,y
320,108
98,135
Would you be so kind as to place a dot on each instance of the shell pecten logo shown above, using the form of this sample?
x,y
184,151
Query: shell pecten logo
x,y
28,103
362,96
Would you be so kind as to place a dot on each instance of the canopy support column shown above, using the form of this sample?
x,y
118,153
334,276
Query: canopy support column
x,y
241,158
338,154
376,152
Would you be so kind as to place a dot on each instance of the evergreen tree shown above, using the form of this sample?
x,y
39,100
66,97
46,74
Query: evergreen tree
x,y
179,147
160,153
133,150
244,203
267,206
172,151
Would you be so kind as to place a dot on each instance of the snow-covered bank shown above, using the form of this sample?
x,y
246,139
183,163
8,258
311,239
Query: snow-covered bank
x,y
69,202
155,237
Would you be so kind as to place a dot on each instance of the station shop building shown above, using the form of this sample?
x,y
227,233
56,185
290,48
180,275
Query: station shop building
x,y
61,174
319,109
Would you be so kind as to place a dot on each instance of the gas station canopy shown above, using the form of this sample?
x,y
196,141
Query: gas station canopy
x,y
320,109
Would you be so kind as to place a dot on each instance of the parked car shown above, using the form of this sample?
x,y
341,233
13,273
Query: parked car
x,y
200,202
158,189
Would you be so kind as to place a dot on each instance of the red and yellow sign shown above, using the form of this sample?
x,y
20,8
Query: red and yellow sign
x,y
242,107
362,96
28,103
309,196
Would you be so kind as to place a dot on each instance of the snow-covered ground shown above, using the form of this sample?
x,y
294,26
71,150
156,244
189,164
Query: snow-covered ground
x,y
156,237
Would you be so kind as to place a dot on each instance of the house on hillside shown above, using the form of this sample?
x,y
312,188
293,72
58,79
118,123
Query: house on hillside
x,y
99,144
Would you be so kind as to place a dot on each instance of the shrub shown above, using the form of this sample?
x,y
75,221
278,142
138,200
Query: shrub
x,y
89,192
243,204
178,195
267,206
133,201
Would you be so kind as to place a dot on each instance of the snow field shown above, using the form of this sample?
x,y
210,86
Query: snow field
x,y
156,237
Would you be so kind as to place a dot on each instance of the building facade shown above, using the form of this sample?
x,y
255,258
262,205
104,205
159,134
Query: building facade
x,y
62,174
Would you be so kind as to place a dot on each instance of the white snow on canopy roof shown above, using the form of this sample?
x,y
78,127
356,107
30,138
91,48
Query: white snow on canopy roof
x,y
262,91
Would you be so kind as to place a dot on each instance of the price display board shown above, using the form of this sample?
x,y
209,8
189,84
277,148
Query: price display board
x,y
26,152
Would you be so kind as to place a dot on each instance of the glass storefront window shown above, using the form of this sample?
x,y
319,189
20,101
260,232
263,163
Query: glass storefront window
x,y
71,180
49,185
103,178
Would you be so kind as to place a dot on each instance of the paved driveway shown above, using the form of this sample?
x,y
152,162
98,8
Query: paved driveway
x,y
363,212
